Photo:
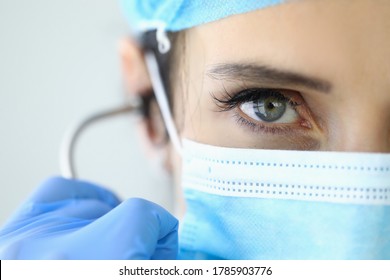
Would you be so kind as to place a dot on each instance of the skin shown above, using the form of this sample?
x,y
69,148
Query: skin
x,y
343,46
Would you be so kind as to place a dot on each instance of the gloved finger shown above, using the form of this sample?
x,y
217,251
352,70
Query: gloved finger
x,y
79,208
136,229
58,188
46,218
167,247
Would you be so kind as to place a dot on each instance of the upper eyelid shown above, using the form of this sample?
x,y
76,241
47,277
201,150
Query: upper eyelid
x,y
227,101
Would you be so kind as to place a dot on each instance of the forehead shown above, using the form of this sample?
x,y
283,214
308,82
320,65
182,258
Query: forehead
x,y
334,38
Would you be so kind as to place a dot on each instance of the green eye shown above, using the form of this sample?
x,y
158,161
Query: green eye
x,y
270,109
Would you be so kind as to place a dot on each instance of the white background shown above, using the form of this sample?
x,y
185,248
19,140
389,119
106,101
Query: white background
x,y
277,269
59,62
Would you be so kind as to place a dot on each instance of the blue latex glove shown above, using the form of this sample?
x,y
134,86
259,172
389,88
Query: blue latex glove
x,y
69,219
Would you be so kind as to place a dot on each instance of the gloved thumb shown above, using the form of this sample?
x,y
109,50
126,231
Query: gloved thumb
x,y
136,229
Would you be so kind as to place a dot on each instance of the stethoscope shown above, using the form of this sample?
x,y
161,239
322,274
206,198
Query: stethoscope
x,y
69,142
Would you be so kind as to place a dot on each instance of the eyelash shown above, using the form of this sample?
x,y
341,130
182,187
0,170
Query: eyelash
x,y
230,102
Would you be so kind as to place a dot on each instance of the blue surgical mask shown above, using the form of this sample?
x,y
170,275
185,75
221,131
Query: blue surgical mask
x,y
272,204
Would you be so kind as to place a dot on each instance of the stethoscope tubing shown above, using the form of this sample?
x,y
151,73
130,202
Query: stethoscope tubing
x,y
71,137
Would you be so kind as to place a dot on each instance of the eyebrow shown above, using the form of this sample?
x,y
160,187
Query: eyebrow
x,y
267,75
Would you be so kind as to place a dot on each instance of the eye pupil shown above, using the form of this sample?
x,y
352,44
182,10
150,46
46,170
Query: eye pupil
x,y
270,106
269,109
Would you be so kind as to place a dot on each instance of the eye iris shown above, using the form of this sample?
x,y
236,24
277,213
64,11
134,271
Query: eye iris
x,y
269,109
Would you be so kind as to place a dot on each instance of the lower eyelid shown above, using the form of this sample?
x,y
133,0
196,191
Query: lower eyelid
x,y
262,127
298,140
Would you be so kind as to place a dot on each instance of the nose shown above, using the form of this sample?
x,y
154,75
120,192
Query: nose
x,y
364,129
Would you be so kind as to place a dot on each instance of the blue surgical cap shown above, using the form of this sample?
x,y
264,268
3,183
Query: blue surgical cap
x,y
175,15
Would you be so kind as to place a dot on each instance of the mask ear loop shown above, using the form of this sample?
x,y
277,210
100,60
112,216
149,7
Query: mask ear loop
x,y
161,97
162,100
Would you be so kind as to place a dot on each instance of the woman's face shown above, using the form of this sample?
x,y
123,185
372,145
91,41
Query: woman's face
x,y
307,75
